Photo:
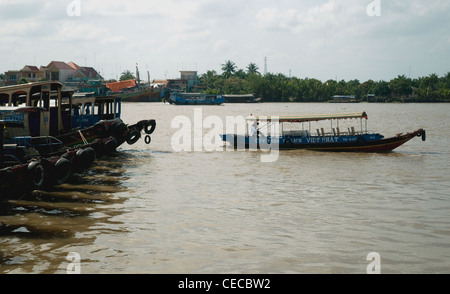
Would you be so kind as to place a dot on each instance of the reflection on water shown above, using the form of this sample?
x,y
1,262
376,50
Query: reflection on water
x,y
35,226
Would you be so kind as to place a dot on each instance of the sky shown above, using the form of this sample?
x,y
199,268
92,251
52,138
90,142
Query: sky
x,y
322,39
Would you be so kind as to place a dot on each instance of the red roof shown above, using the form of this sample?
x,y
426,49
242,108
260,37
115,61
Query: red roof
x,y
32,67
117,86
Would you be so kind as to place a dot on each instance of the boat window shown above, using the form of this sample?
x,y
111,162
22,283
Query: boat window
x,y
86,108
76,110
4,99
19,99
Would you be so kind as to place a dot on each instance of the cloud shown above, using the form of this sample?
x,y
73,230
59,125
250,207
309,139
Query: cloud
x,y
314,38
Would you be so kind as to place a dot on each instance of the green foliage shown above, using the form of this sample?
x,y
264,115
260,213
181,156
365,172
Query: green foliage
x,y
127,75
280,88
23,81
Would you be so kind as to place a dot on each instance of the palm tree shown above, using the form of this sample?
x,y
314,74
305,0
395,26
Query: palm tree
x,y
229,68
252,68
127,75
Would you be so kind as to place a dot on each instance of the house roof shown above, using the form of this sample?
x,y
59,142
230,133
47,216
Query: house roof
x,y
30,68
73,65
87,72
59,65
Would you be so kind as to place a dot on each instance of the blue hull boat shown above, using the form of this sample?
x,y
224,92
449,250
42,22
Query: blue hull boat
x,y
178,98
336,140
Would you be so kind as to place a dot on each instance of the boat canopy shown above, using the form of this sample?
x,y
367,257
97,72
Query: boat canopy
x,y
307,118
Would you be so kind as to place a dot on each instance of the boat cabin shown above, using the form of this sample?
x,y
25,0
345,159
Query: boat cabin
x,y
88,109
38,106
297,132
301,125
46,110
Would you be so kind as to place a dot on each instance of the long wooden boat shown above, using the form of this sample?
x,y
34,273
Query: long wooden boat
x,y
244,98
45,109
130,91
47,134
299,137
179,98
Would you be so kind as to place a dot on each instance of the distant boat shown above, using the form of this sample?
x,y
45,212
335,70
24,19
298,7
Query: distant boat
x,y
243,98
344,99
181,98
337,140
130,91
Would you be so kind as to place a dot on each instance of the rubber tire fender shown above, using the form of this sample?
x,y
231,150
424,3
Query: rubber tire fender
x,y
424,135
62,171
119,130
36,173
110,146
100,130
84,158
133,137
152,124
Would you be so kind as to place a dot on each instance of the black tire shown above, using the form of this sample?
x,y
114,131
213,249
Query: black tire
x,y
152,124
84,159
133,137
62,171
110,146
100,130
36,174
119,130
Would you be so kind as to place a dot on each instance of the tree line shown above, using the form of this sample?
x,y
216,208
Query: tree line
x,y
281,88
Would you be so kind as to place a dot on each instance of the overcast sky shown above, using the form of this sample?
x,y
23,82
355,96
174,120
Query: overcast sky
x,y
323,39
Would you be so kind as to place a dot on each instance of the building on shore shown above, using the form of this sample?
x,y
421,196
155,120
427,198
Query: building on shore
x,y
54,71
187,82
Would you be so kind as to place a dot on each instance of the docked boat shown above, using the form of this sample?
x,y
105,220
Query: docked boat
x,y
130,91
243,98
290,132
47,134
45,109
181,98
29,163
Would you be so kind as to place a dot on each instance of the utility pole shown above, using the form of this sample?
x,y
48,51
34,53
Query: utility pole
x,y
137,75
265,65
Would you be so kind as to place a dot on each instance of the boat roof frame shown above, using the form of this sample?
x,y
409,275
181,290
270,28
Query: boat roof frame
x,y
309,118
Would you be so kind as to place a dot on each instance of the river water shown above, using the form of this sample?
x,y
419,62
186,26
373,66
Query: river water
x,y
154,209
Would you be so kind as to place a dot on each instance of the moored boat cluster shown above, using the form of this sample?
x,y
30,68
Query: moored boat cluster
x,y
46,137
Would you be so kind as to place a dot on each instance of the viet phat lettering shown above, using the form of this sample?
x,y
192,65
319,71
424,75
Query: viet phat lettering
x,y
322,140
